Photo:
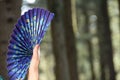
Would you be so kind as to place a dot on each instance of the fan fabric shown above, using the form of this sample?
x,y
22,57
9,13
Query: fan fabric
x,y
28,32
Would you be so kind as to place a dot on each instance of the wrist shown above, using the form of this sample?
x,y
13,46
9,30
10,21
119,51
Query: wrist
x,y
33,69
33,74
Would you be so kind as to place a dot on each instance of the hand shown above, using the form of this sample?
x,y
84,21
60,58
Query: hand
x,y
33,73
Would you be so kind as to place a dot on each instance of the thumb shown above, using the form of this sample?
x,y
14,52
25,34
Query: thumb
x,y
35,52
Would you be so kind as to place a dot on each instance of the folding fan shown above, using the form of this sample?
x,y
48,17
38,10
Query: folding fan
x,y
28,32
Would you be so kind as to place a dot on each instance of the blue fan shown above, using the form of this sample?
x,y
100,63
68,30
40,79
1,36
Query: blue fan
x,y
28,32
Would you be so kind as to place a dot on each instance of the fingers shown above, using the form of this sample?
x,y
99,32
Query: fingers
x,y
35,52
35,58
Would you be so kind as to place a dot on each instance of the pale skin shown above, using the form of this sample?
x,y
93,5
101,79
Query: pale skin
x,y
33,73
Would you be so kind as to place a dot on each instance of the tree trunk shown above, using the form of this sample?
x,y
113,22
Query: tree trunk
x,y
105,43
59,49
10,10
119,13
88,43
70,39
91,59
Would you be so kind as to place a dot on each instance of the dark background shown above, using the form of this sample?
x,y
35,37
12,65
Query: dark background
x,y
83,42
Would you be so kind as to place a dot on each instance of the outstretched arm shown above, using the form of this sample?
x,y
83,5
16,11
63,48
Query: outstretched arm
x,y
33,73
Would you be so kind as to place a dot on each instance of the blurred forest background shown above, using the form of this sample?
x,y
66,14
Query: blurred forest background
x,y
83,42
